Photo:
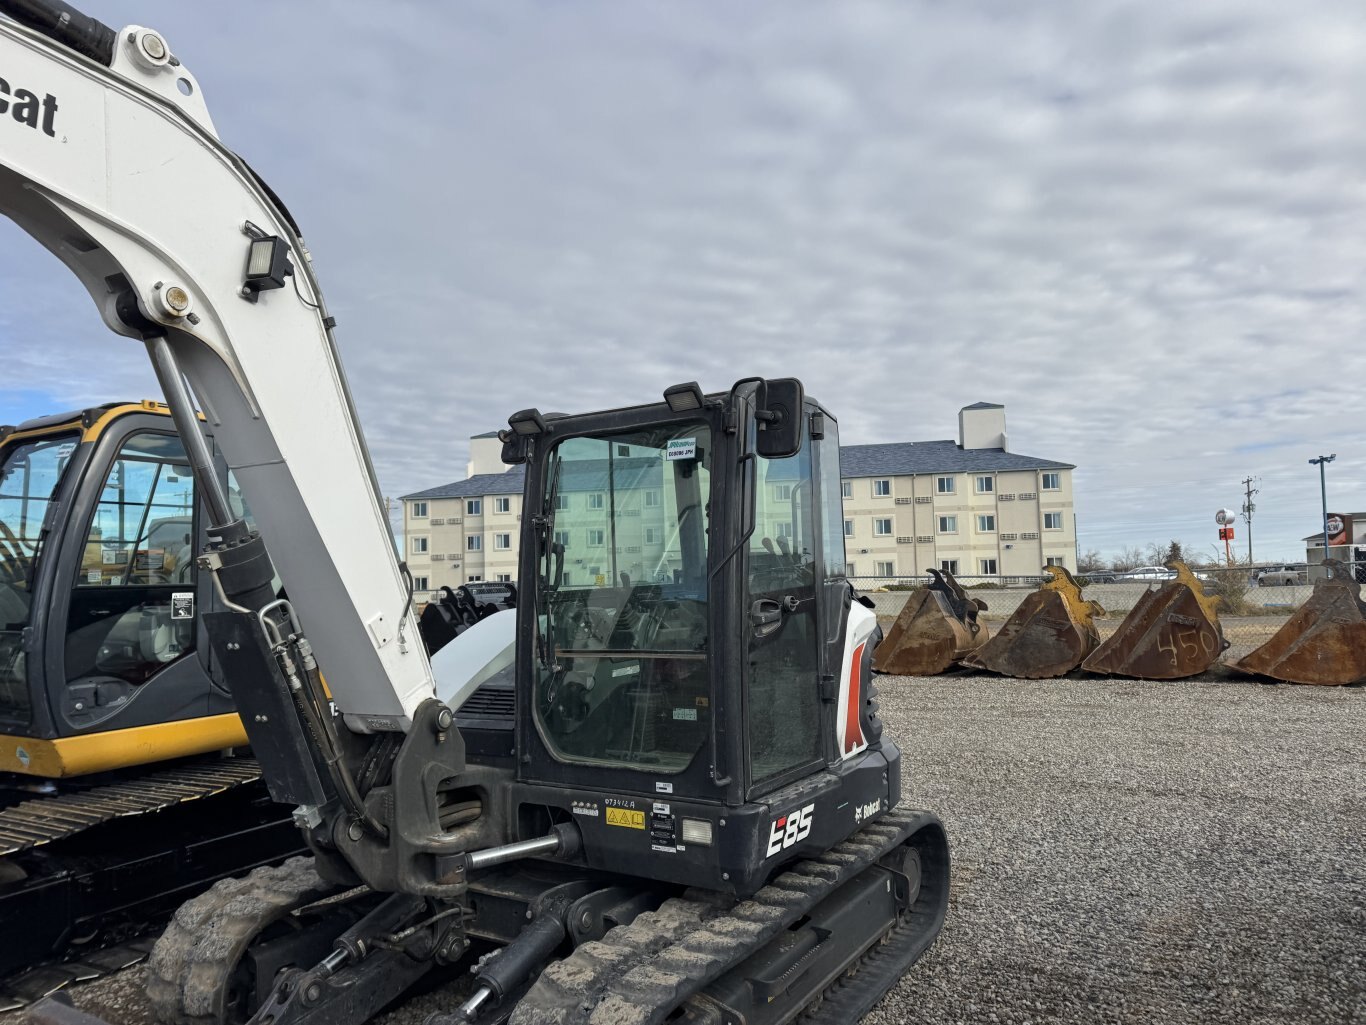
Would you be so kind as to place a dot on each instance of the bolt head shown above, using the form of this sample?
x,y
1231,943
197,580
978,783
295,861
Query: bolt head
x,y
172,301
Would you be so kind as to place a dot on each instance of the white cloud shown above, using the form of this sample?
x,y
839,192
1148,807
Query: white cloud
x,y
1140,226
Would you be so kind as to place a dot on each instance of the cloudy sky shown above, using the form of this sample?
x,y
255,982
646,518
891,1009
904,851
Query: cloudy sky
x,y
1140,226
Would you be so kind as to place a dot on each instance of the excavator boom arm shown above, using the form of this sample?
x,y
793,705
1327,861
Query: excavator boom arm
x,y
115,167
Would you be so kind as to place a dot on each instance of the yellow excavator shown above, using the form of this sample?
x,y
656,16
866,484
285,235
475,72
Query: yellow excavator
x,y
119,794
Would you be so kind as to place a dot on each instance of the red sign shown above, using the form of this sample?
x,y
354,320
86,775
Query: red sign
x,y
1225,533
1339,529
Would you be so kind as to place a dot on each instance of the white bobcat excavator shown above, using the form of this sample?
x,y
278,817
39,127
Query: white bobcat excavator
x,y
687,812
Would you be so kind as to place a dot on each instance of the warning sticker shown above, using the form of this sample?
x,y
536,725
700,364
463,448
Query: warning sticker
x,y
681,448
182,605
626,817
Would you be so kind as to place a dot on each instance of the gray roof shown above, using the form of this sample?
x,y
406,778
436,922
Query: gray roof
x,y
509,483
985,405
906,457
894,459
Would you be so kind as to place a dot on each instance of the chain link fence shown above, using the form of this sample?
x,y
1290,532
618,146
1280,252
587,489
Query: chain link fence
x,y
1249,614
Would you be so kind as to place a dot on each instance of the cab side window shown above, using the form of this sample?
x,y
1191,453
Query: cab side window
x,y
132,606
143,528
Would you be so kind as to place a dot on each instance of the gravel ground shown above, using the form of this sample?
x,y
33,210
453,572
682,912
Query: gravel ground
x,y
1128,851
1124,851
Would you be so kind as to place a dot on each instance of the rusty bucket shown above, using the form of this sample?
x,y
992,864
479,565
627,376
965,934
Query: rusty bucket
x,y
1324,642
1048,635
937,627
1171,633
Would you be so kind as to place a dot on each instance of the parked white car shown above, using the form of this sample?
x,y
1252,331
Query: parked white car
x,y
1147,573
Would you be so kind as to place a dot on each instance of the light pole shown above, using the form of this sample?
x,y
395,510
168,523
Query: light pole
x,y
1321,462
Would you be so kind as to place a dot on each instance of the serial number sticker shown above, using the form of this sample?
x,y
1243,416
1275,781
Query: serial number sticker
x,y
688,714
626,817
681,448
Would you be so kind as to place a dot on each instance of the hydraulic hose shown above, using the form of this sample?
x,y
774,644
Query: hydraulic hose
x,y
64,24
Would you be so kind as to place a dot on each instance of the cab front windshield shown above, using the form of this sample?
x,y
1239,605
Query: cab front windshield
x,y
621,598
29,474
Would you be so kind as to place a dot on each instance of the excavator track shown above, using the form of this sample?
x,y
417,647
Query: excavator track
x,y
640,974
96,870
192,975
44,820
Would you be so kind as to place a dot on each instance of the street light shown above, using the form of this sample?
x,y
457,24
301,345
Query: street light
x,y
1321,462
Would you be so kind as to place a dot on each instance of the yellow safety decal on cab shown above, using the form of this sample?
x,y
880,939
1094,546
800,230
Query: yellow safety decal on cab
x,y
626,817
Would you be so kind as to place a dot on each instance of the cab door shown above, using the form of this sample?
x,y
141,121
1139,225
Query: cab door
x,y
784,714
123,647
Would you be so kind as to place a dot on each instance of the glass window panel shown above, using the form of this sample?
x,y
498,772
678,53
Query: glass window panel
x,y
621,667
784,713
29,477
132,608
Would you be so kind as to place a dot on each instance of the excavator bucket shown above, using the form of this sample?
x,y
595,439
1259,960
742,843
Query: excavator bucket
x,y
1171,633
937,627
1324,642
1048,635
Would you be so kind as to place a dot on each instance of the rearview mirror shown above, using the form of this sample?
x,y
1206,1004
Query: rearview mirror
x,y
780,418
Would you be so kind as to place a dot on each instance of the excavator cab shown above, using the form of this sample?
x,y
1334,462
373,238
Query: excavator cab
x,y
693,670
99,595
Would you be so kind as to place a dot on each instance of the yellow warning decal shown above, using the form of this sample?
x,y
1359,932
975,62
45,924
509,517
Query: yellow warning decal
x,y
626,817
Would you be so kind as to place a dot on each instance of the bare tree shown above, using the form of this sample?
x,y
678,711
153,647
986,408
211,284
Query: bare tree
x,y
1127,558
1090,561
